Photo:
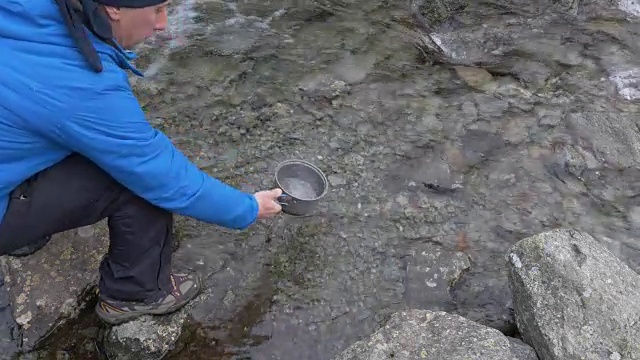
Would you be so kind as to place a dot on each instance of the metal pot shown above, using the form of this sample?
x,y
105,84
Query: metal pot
x,y
302,184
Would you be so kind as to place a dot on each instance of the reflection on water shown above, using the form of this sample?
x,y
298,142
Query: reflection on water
x,y
299,188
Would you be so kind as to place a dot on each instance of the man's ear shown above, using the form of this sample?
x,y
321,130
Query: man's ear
x,y
112,12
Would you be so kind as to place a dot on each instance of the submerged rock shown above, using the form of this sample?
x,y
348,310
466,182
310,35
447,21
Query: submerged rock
x,y
49,287
430,274
573,298
421,334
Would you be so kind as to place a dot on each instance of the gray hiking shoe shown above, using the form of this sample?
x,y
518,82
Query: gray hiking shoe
x,y
185,288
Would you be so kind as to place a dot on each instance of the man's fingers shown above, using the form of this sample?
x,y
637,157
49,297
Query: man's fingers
x,y
268,202
276,192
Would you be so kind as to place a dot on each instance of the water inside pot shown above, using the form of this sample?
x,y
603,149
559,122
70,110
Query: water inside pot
x,y
299,188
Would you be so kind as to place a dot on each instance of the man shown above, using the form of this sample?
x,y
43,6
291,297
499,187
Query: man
x,y
75,148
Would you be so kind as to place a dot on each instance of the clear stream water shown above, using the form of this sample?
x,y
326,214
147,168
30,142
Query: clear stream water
x,y
446,129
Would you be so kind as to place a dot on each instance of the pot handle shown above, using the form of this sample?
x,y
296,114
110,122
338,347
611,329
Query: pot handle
x,y
282,199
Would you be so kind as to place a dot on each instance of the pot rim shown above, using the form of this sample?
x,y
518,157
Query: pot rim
x,y
310,165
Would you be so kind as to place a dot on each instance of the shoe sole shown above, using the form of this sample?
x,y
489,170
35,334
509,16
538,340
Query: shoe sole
x,y
117,319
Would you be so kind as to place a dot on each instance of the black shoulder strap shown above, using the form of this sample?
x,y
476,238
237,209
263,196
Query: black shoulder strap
x,y
78,14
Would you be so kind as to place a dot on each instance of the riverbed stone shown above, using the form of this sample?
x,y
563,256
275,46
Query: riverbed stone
x,y
431,272
573,298
475,77
51,286
423,334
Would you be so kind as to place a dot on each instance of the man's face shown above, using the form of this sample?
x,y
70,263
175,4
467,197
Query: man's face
x,y
133,26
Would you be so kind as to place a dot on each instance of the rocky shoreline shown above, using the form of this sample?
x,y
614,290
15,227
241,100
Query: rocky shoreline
x,y
573,299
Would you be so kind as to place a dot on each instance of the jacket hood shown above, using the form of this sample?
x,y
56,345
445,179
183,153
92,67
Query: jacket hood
x,y
28,22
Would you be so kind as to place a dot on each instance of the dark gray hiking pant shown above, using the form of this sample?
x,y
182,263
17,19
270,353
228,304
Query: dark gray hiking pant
x,y
74,193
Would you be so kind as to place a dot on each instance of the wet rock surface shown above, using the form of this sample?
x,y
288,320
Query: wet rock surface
x,y
50,287
573,298
422,334
9,329
497,121
146,338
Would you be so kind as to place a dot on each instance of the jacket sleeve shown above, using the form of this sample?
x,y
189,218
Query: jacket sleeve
x,y
112,131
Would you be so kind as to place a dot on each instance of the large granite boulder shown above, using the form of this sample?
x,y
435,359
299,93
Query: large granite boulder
x,y
51,286
574,299
422,334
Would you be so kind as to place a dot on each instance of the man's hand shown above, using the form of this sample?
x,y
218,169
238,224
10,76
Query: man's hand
x,y
268,205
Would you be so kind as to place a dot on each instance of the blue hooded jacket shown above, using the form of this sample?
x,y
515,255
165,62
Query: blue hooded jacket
x,y
52,104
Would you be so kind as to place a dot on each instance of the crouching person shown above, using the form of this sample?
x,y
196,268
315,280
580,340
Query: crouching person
x,y
75,148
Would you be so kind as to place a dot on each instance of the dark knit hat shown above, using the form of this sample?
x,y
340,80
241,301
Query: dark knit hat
x,y
89,13
130,3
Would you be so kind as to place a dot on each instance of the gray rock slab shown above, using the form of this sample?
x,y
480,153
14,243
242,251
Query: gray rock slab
x,y
574,299
49,287
422,334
